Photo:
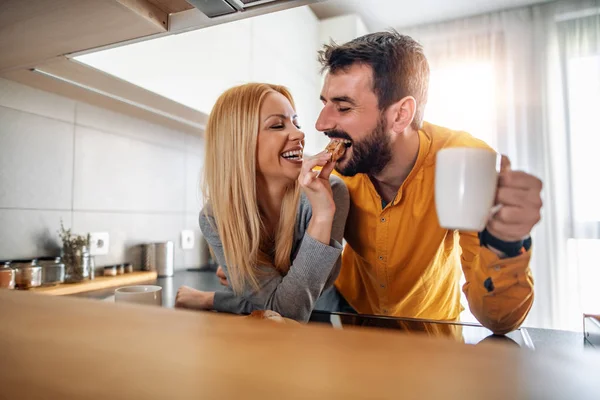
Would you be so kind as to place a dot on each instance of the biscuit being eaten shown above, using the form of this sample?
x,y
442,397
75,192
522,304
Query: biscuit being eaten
x,y
336,148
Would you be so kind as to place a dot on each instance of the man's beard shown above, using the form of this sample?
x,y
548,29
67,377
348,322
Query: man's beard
x,y
370,155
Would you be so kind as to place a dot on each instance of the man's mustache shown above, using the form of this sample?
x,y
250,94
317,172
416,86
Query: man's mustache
x,y
337,134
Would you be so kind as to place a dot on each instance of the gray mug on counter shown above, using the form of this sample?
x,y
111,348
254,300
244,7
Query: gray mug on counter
x,y
159,257
139,294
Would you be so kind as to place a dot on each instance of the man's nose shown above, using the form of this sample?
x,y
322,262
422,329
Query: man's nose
x,y
325,122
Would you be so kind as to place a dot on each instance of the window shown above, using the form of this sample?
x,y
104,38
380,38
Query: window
x,y
583,251
462,97
584,126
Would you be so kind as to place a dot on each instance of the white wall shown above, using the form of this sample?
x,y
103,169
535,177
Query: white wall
x,y
341,29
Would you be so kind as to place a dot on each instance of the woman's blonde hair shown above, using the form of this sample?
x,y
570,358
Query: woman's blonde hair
x,y
230,186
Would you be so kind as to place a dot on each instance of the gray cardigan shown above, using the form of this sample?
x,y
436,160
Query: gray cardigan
x,y
314,265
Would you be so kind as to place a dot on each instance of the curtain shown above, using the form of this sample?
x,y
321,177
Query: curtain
x,y
527,81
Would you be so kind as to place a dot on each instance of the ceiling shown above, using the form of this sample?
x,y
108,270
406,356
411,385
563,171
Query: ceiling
x,y
383,14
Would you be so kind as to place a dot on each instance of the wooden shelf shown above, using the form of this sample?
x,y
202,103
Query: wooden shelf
x,y
99,283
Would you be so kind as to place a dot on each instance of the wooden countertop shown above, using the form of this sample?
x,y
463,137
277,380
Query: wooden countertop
x,y
70,348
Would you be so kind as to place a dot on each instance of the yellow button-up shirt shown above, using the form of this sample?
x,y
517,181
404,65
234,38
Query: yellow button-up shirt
x,y
398,261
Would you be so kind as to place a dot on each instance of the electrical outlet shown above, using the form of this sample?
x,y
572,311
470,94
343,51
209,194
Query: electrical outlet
x,y
99,242
187,239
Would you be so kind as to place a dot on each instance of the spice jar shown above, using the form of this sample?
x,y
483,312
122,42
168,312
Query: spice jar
x,y
128,268
7,276
110,270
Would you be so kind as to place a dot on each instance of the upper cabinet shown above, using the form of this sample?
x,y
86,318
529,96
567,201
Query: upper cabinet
x,y
37,30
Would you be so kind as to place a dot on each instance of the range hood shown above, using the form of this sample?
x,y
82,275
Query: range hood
x,y
217,8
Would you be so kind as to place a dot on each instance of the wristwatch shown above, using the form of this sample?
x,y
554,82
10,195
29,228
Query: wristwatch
x,y
511,249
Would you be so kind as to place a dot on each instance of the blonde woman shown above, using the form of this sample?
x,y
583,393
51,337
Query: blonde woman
x,y
275,225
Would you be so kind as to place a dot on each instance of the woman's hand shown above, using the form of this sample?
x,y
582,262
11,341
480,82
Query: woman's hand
x,y
316,185
317,188
222,277
194,299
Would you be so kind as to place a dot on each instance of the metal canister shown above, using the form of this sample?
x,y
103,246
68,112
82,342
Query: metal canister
x,y
53,270
149,257
165,258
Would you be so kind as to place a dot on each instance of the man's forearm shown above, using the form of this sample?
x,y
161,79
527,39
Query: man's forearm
x,y
499,291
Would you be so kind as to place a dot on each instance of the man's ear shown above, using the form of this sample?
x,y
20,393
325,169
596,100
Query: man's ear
x,y
400,115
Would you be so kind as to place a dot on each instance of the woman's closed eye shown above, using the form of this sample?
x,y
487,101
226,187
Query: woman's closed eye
x,y
282,126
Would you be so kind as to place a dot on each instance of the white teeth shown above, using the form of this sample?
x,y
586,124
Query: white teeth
x,y
292,154
347,141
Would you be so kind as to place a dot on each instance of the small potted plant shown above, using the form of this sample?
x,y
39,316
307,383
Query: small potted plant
x,y
75,255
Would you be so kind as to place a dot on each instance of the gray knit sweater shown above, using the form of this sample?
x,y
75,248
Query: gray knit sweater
x,y
314,265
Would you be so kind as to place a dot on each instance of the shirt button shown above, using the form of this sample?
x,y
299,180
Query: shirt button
x,y
382,286
382,219
385,311
381,257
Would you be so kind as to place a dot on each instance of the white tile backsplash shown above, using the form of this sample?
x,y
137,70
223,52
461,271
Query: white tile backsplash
x,y
193,192
109,121
36,161
199,255
24,98
119,173
98,171
31,233
128,231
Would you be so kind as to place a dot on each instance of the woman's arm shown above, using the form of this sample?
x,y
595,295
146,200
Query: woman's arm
x,y
342,202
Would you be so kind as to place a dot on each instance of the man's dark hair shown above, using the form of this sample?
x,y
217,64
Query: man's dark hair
x,y
399,67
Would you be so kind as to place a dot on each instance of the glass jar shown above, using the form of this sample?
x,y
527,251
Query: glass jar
x,y
7,276
77,264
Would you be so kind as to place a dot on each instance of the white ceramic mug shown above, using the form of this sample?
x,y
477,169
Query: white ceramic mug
x,y
465,187
139,294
